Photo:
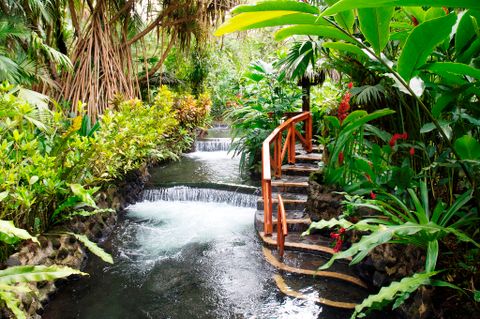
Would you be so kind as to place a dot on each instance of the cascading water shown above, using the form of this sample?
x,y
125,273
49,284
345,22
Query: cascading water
x,y
212,144
183,193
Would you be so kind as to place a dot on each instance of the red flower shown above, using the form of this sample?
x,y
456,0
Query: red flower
x,y
338,246
350,85
397,136
414,21
412,151
334,235
340,158
373,195
344,107
341,231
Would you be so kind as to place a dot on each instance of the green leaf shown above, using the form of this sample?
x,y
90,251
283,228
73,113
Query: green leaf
x,y
291,19
465,35
3,195
476,296
375,26
10,234
421,43
281,5
358,4
13,303
94,248
452,210
345,19
467,147
327,224
312,30
445,68
393,291
432,255
242,21
29,273
347,47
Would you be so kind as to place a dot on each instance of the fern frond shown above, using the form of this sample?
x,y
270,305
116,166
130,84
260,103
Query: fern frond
x,y
397,291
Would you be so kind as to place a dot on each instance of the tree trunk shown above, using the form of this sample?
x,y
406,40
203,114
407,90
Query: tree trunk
x,y
306,96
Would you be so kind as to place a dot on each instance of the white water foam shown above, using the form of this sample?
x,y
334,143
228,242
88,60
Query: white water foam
x,y
168,226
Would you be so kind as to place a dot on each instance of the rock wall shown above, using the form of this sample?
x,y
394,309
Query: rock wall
x,y
65,249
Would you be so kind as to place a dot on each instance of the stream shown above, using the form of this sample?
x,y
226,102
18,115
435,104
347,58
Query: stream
x,y
187,252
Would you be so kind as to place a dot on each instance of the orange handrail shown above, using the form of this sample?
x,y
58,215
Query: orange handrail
x,y
282,229
276,137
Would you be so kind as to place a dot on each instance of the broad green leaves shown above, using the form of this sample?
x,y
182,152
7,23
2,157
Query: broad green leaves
x,y
468,148
359,4
375,26
276,5
313,30
421,43
466,30
447,69
244,20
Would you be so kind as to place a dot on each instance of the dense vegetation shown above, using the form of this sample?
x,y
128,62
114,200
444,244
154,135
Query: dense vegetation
x,y
392,86
403,143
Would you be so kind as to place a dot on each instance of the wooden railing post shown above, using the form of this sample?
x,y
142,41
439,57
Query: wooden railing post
x,y
308,133
278,156
267,208
282,230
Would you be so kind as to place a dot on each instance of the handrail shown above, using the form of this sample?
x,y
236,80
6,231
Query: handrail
x,y
276,137
282,229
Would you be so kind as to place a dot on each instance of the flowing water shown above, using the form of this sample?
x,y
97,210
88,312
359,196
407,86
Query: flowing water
x,y
185,253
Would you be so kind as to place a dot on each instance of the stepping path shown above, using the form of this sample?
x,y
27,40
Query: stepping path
x,y
304,254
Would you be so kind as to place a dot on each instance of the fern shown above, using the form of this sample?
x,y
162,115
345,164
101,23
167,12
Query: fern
x,y
369,94
397,291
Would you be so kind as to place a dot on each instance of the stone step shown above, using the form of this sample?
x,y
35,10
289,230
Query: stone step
x,y
290,184
308,157
290,202
306,264
300,169
297,221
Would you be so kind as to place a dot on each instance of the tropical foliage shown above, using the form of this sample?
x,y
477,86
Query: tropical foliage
x,y
418,58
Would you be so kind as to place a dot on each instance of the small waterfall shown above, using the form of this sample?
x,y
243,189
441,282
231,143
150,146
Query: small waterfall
x,y
184,193
212,144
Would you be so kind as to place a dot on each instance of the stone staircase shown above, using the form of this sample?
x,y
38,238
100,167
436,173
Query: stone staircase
x,y
304,254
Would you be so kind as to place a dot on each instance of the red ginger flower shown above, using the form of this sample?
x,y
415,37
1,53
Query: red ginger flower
x,y
344,107
338,245
350,85
373,195
412,151
397,136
